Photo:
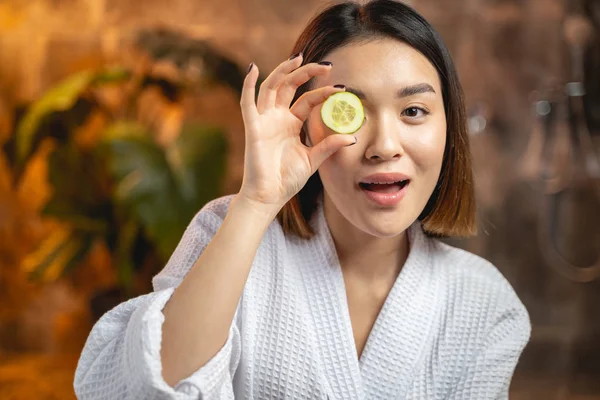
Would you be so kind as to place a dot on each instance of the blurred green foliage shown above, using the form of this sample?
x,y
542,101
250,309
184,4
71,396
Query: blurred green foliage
x,y
134,193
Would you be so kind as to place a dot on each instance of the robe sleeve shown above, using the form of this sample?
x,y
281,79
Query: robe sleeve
x,y
488,374
121,357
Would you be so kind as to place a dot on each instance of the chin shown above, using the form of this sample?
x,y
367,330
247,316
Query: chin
x,y
384,227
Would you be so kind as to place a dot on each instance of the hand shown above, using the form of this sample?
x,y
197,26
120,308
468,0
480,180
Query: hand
x,y
276,163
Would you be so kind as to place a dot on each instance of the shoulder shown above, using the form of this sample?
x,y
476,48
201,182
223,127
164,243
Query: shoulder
x,y
214,212
476,290
474,275
218,206
481,325
206,222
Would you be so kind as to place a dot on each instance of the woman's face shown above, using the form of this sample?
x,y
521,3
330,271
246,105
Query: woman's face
x,y
404,132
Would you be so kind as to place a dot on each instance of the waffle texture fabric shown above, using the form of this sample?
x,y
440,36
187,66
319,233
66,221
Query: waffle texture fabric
x,y
452,327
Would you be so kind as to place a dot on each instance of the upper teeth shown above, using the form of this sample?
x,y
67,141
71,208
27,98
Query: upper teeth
x,y
384,183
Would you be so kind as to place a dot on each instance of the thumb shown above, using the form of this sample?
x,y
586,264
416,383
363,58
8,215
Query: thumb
x,y
327,147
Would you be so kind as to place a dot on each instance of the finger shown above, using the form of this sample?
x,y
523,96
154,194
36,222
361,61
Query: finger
x,y
309,100
268,89
326,147
290,83
247,102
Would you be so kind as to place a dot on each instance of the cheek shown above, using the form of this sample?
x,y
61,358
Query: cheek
x,y
334,179
316,127
335,169
427,149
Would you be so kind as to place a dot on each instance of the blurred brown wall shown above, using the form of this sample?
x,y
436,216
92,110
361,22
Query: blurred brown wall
x,y
503,49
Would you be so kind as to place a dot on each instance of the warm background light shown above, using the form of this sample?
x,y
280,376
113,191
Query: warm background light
x,y
152,66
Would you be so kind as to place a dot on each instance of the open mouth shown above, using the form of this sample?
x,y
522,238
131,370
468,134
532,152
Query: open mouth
x,y
384,187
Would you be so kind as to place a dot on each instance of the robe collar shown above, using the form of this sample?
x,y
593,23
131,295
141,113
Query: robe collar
x,y
401,331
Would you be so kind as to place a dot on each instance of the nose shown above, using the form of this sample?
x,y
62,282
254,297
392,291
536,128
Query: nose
x,y
385,141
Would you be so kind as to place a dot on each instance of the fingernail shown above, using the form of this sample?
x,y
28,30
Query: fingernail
x,y
295,55
352,144
329,63
250,68
340,86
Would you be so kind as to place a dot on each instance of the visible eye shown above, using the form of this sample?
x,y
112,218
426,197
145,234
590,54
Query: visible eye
x,y
413,112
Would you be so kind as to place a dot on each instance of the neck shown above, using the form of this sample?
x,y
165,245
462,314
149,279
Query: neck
x,y
364,256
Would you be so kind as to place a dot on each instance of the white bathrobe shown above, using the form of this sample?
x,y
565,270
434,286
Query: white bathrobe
x,y
451,328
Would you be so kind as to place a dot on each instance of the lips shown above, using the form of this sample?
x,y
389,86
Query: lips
x,y
385,177
384,182
386,194
384,187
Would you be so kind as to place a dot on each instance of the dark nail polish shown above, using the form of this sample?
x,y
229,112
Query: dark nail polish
x,y
340,86
250,68
352,144
329,63
295,55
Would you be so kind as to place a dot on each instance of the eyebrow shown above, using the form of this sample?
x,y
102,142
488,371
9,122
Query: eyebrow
x,y
404,92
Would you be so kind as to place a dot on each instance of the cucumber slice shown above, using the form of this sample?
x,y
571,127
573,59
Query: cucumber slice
x,y
343,112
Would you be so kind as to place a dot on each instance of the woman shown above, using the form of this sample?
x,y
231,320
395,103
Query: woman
x,y
311,282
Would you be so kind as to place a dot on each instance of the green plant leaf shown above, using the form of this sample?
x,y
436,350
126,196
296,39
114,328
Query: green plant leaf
x,y
187,53
125,129
62,97
198,160
85,243
59,98
112,75
164,188
55,253
81,186
66,211
124,253
144,182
